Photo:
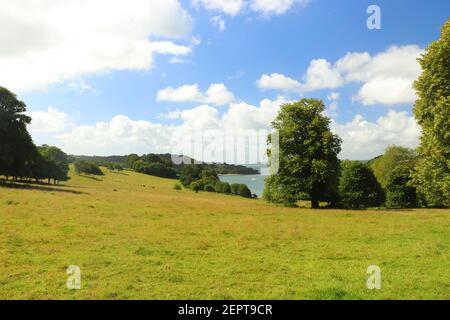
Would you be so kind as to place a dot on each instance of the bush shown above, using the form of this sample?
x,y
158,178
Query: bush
x,y
358,186
226,188
85,167
196,186
399,191
244,191
281,190
177,187
209,188
234,188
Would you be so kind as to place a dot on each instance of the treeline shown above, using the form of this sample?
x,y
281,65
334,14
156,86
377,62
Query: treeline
x,y
161,165
20,158
152,164
200,177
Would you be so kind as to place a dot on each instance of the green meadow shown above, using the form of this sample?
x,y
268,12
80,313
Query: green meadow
x,y
135,237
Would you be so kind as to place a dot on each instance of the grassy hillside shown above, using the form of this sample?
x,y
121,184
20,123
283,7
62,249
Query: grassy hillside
x,y
135,237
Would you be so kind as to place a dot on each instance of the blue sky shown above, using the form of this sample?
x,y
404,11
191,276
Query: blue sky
x,y
263,52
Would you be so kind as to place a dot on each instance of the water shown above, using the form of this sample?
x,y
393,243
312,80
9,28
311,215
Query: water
x,y
254,182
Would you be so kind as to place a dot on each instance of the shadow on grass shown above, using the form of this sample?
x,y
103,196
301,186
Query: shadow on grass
x,y
91,177
40,187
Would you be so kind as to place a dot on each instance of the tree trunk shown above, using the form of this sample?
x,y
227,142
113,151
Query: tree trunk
x,y
315,204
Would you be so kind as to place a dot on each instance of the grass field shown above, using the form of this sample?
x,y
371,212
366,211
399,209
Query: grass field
x,y
134,237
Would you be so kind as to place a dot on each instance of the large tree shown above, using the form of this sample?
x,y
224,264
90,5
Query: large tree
x,y
16,146
308,150
432,111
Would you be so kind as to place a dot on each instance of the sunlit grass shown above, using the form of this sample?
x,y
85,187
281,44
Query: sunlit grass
x,y
135,237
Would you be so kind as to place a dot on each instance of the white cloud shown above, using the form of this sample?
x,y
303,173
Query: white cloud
x,y
168,47
321,75
277,81
386,77
202,124
46,41
230,7
388,91
234,7
50,121
217,94
277,7
334,96
218,22
363,140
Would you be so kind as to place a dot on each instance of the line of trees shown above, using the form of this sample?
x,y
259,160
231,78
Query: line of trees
x,y
152,164
20,158
201,177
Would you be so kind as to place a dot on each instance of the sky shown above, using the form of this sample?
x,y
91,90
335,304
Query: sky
x,y
104,77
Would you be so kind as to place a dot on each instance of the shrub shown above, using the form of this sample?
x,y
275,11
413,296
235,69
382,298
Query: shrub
x,y
399,191
209,188
244,191
177,187
226,188
196,186
85,167
358,186
234,188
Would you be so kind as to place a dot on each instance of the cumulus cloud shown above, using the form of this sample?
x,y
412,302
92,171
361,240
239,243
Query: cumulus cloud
x,y
206,134
48,41
50,121
386,77
217,94
277,81
363,140
203,125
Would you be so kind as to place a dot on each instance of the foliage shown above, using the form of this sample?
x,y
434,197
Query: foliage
x,y
432,112
234,188
393,156
177,187
196,186
189,174
226,188
114,167
19,157
399,190
209,188
154,169
308,152
358,186
244,191
84,167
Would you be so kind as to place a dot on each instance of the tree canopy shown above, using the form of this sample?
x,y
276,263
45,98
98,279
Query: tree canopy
x,y
393,156
432,111
358,187
308,151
